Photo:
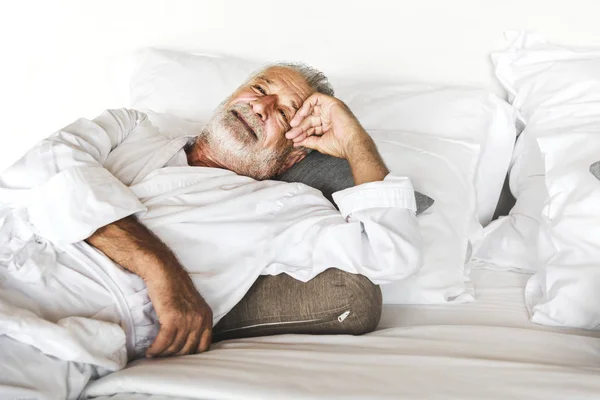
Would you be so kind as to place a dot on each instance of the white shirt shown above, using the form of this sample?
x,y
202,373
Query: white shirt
x,y
225,229
178,160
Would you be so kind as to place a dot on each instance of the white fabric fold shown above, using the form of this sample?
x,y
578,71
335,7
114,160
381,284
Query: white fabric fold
x,y
64,215
75,339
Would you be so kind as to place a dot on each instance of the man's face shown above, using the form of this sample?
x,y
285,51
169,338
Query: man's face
x,y
247,132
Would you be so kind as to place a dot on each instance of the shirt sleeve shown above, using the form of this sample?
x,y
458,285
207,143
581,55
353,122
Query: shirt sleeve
x,y
393,192
374,234
62,181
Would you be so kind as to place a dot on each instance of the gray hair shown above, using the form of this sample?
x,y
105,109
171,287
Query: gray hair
x,y
315,78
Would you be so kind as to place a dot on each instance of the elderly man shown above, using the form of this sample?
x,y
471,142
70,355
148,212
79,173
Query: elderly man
x,y
119,239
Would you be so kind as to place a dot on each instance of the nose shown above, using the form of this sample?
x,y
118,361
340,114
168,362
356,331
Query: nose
x,y
264,105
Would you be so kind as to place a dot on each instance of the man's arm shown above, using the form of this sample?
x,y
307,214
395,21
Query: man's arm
x,y
377,234
185,318
365,161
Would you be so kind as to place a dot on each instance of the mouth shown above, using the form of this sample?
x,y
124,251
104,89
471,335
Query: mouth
x,y
246,125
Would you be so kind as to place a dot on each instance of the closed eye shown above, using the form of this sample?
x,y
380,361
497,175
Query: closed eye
x,y
260,89
283,114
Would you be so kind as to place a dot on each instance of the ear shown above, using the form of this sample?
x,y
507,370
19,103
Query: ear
x,y
294,157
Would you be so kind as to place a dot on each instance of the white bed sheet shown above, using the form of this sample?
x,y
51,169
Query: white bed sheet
x,y
499,302
486,349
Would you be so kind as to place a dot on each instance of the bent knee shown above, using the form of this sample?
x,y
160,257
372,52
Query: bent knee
x,y
365,304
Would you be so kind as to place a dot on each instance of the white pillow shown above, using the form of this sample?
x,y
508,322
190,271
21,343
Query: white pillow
x,y
515,242
185,85
557,91
192,86
449,129
472,115
444,169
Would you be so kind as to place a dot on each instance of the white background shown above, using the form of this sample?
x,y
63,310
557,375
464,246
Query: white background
x,y
56,54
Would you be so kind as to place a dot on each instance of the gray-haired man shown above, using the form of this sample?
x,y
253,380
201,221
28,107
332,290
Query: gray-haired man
x,y
193,241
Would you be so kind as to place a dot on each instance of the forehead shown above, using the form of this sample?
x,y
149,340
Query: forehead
x,y
286,80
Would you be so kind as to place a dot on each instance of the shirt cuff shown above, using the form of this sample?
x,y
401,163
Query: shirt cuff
x,y
392,192
76,202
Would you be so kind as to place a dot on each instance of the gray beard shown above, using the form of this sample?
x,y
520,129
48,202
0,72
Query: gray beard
x,y
228,144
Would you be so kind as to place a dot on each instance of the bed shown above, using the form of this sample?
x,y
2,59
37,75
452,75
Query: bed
x,y
485,349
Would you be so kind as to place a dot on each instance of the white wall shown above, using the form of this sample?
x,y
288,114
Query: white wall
x,y
56,53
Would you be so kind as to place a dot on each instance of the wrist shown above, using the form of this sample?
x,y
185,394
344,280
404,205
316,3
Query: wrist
x,y
359,147
365,162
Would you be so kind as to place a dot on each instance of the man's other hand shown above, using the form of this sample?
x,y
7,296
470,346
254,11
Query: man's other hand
x,y
185,318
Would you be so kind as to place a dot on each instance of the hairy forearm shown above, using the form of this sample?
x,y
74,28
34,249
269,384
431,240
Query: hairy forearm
x,y
365,161
134,247
185,318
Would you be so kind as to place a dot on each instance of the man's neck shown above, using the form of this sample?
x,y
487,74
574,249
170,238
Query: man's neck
x,y
198,156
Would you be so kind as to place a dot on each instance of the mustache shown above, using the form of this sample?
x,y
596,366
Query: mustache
x,y
246,112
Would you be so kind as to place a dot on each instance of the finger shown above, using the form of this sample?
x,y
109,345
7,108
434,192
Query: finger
x,y
293,133
306,109
177,344
316,131
311,142
303,112
304,135
165,337
306,127
191,346
307,123
205,340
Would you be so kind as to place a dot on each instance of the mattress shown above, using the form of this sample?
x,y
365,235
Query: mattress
x,y
485,349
